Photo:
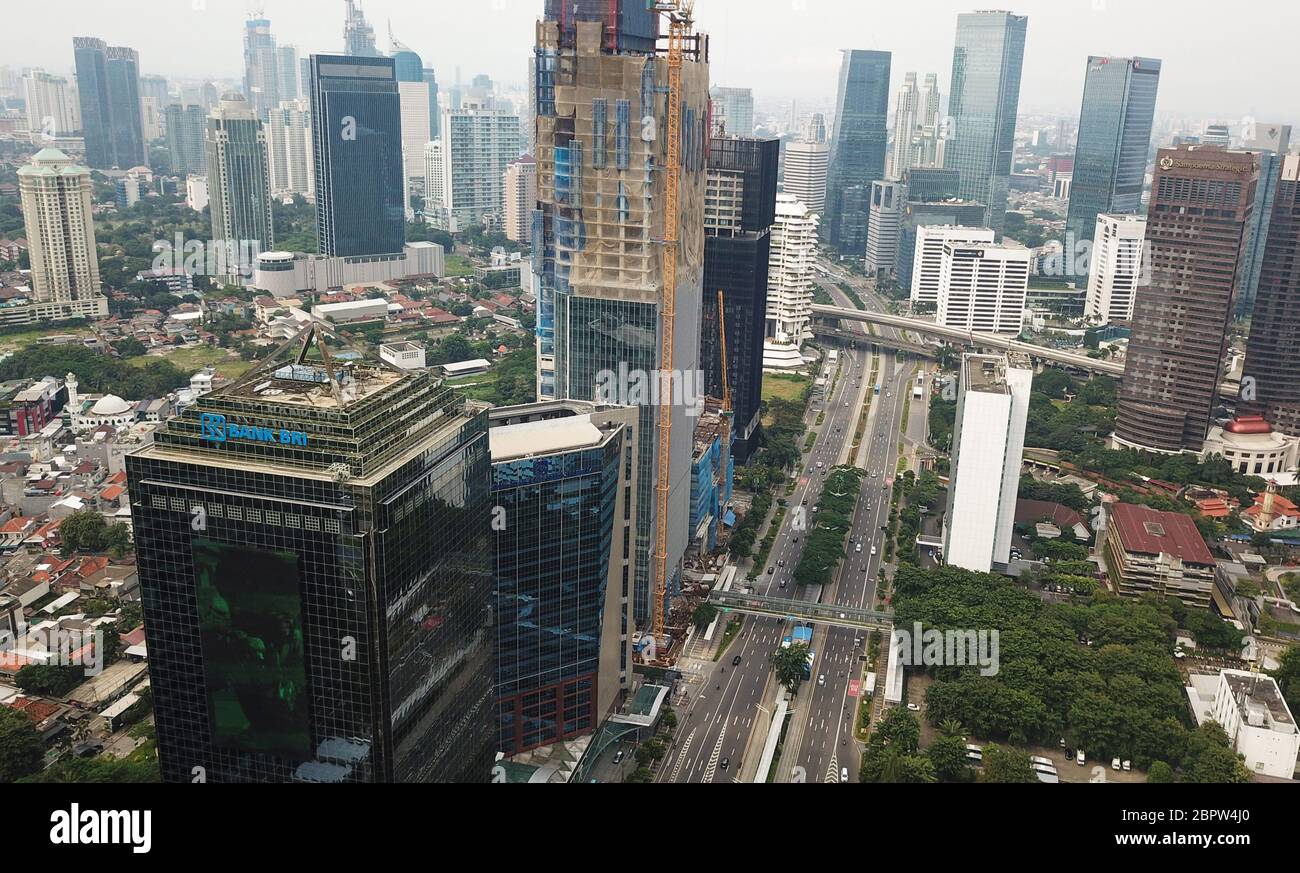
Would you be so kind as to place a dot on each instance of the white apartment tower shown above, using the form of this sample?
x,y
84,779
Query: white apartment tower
x,y
521,199
433,193
982,287
413,97
288,141
1116,268
883,225
478,143
789,281
805,168
52,107
916,126
57,204
927,262
988,443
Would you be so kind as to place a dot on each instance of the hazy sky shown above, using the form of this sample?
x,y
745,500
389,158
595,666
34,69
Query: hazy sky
x,y
1224,59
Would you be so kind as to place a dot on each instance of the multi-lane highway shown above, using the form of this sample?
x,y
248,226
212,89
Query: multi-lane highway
x,y
729,707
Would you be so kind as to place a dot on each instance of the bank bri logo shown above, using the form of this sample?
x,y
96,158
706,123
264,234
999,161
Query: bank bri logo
x,y
215,429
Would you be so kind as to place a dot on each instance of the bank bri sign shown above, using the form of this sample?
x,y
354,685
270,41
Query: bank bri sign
x,y
216,429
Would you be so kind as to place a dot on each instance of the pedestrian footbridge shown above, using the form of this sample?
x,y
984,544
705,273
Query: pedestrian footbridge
x,y
802,610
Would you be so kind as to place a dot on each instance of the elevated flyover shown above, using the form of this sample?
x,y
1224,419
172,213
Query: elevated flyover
x,y
972,339
802,610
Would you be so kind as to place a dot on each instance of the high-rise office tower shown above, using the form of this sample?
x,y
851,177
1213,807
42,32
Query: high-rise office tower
x,y
239,181
882,225
740,209
1273,354
185,131
478,143
789,278
261,67
288,145
601,212
988,444
562,478
916,126
855,217
357,151
1197,227
815,130
58,213
288,69
982,103
433,177
1271,142
414,99
805,165
931,200
358,35
1110,158
314,555
108,86
733,109
927,260
1217,134
520,199
982,287
51,105
1116,268
859,144
435,113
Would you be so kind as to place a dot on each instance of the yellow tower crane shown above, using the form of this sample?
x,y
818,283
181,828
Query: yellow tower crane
x,y
681,25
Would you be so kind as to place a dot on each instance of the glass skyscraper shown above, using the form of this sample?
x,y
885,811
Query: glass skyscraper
x,y
859,145
108,87
315,568
1110,158
562,477
982,102
357,146
740,209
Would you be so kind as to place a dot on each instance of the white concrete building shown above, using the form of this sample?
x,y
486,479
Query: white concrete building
x,y
196,192
1116,268
521,199
790,270
805,167
285,275
58,212
927,261
988,443
478,143
883,224
1252,711
52,107
288,140
414,100
982,287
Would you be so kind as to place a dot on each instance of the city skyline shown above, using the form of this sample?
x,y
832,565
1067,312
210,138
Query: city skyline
x,y
801,63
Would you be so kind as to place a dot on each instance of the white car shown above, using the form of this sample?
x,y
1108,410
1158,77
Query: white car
x,y
844,774
873,551
859,547
821,679
913,707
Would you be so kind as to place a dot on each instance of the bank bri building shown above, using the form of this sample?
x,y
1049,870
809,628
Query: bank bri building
x,y
316,569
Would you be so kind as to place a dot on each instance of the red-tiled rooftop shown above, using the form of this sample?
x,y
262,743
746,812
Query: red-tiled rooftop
x,y
1149,531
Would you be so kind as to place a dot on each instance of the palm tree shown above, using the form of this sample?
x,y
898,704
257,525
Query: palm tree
x,y
951,727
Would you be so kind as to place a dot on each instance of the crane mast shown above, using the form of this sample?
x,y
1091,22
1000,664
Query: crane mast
x,y
680,27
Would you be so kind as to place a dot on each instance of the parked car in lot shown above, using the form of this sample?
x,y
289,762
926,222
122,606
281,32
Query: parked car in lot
x,y
913,707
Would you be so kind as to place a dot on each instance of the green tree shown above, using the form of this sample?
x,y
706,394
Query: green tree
x,y
1002,765
84,531
1211,759
948,755
789,664
21,749
704,615
1160,773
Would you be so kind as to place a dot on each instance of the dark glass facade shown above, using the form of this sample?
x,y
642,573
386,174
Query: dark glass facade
x,y
1197,226
357,140
108,87
928,184
983,99
1273,355
1110,158
316,584
736,263
859,144
185,126
552,573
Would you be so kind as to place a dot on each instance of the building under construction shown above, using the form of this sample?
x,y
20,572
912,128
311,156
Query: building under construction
x,y
618,242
